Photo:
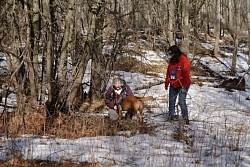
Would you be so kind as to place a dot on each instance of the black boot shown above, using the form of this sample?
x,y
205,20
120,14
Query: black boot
x,y
186,121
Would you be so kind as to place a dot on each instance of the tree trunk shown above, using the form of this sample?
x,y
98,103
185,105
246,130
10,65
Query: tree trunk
x,y
62,67
171,25
207,29
77,75
217,27
30,68
49,53
236,37
248,21
14,58
80,57
35,39
95,41
230,13
185,27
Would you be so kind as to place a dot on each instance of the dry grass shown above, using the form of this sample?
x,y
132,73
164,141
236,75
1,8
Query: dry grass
x,y
70,127
18,161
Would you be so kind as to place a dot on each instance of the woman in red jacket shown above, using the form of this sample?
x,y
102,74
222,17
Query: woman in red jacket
x,y
178,76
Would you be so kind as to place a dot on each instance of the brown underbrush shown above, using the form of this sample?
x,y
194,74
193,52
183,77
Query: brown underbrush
x,y
19,162
72,126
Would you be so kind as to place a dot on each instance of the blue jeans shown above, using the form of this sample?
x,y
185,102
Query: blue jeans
x,y
173,93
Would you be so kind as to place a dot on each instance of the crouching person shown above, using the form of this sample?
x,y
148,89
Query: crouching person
x,y
118,87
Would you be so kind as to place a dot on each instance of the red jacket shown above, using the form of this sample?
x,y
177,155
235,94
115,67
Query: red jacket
x,y
180,73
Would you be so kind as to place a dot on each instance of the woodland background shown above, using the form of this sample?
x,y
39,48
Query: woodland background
x,y
48,43
62,54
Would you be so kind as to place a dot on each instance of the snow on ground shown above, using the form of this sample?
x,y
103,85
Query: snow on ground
x,y
218,134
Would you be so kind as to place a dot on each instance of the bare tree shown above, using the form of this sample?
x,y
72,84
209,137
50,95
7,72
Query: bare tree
x,y
171,34
230,13
16,55
35,37
235,36
48,83
217,26
248,20
185,27
63,83
96,20
30,68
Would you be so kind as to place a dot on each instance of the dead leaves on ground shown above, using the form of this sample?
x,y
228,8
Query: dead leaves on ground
x,y
76,125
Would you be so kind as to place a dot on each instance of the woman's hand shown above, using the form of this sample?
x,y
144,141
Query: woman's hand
x,y
183,90
115,107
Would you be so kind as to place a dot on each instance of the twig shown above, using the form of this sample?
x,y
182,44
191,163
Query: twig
x,y
18,66
243,77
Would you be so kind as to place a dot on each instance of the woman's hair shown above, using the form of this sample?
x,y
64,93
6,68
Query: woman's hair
x,y
176,54
117,82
